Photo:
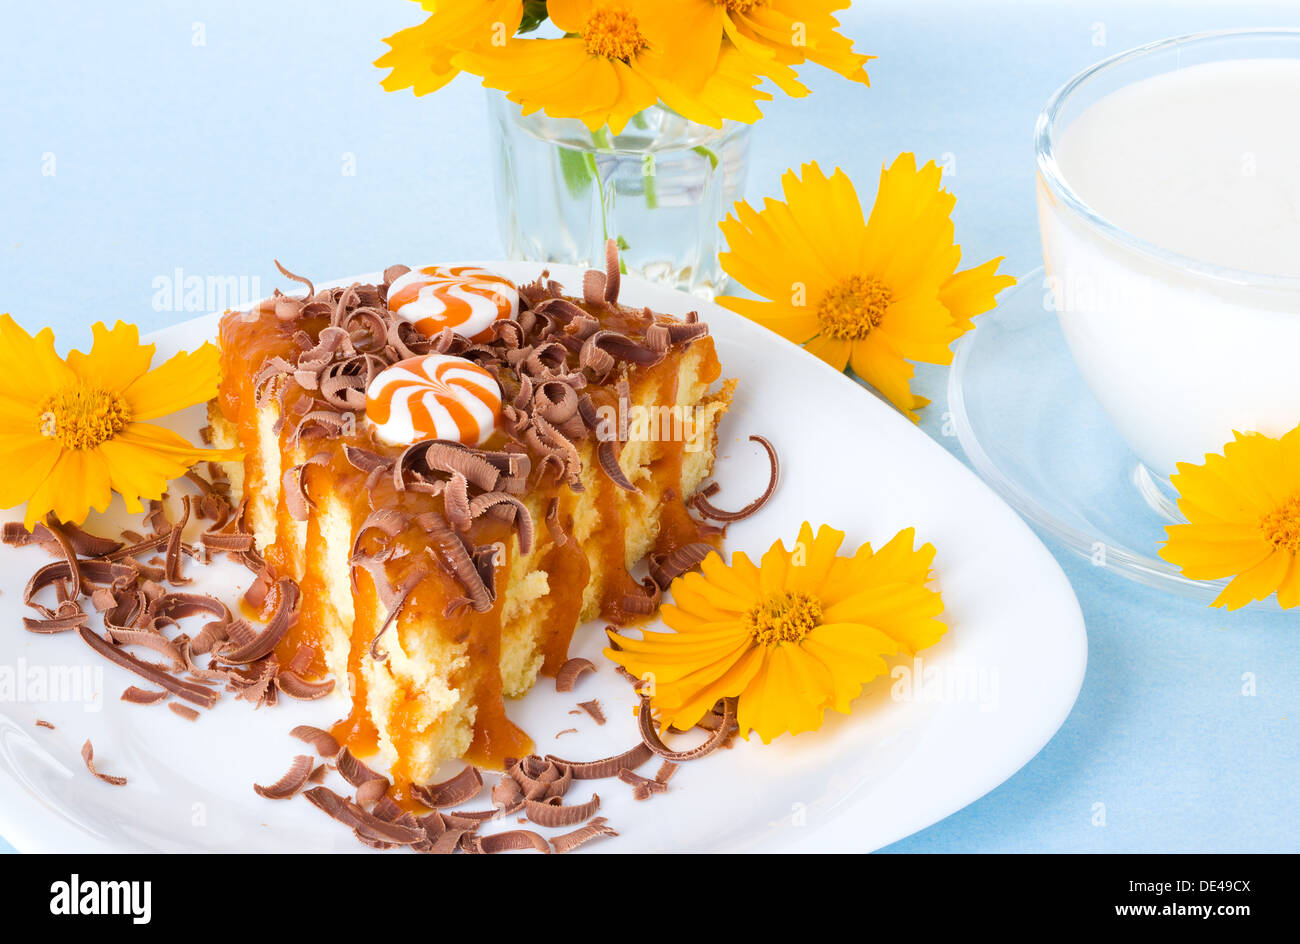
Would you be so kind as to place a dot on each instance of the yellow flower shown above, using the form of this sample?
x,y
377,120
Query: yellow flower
x,y
873,294
801,632
421,57
1243,520
619,57
73,430
774,35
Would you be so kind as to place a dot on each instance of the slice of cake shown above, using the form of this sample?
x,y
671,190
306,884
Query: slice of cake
x,y
458,472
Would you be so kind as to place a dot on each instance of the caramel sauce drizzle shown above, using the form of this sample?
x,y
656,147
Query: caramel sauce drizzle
x,y
247,342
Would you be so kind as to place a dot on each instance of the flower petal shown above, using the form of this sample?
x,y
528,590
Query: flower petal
x,y
78,482
116,358
188,378
30,369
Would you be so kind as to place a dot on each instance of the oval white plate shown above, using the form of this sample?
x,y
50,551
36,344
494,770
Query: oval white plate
x,y
919,745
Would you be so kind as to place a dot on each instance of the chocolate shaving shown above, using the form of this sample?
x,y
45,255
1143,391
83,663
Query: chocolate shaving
x,y
364,460
665,568
311,289
42,723
567,677
186,712
295,686
515,840
366,825
326,744
718,737
593,287
612,271
558,536
296,500
149,640
88,755
554,813
507,795
172,567
437,455
371,792
521,516
609,465
593,708
459,789
287,599
355,772
638,604
442,836
642,787
706,508
630,759
567,842
394,610
190,691
449,551
75,618
293,780
540,778
142,696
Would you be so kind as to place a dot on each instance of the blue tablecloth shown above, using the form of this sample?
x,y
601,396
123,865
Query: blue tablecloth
x,y
210,137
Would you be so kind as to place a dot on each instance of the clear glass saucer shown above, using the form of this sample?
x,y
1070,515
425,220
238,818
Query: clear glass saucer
x,y
1034,432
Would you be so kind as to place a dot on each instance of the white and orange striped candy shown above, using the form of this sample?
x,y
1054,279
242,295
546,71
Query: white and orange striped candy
x,y
464,298
436,396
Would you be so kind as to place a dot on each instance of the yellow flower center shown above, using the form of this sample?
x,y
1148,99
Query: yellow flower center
x,y
785,618
1281,526
854,307
82,417
739,6
613,34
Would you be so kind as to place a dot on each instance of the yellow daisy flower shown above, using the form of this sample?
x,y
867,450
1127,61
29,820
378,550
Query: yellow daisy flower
x,y
1243,520
872,294
619,57
420,57
73,431
798,633
774,35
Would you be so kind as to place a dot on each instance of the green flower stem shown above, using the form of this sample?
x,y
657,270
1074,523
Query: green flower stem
x,y
603,141
648,181
705,152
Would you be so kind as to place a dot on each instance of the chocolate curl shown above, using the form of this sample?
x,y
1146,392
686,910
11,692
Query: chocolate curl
x,y
665,568
567,677
292,781
553,812
704,507
288,597
88,755
718,737
311,289
612,272
570,841
609,465
630,759
325,744
459,789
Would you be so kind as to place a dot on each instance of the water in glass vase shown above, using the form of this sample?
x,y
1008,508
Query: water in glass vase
x,y
659,187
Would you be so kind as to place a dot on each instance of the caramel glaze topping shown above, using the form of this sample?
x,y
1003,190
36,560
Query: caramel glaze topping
x,y
431,520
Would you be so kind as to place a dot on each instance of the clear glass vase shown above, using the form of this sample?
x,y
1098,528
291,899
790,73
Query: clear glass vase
x,y
660,188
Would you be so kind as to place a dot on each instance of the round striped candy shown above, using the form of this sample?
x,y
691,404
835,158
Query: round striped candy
x,y
436,396
466,299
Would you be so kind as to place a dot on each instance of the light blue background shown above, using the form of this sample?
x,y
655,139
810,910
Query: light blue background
x,y
216,158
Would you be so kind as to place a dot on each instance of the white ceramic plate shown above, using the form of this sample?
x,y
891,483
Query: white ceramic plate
x,y
918,746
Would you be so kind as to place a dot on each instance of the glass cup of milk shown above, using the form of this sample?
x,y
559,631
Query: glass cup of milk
x,y
1169,204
